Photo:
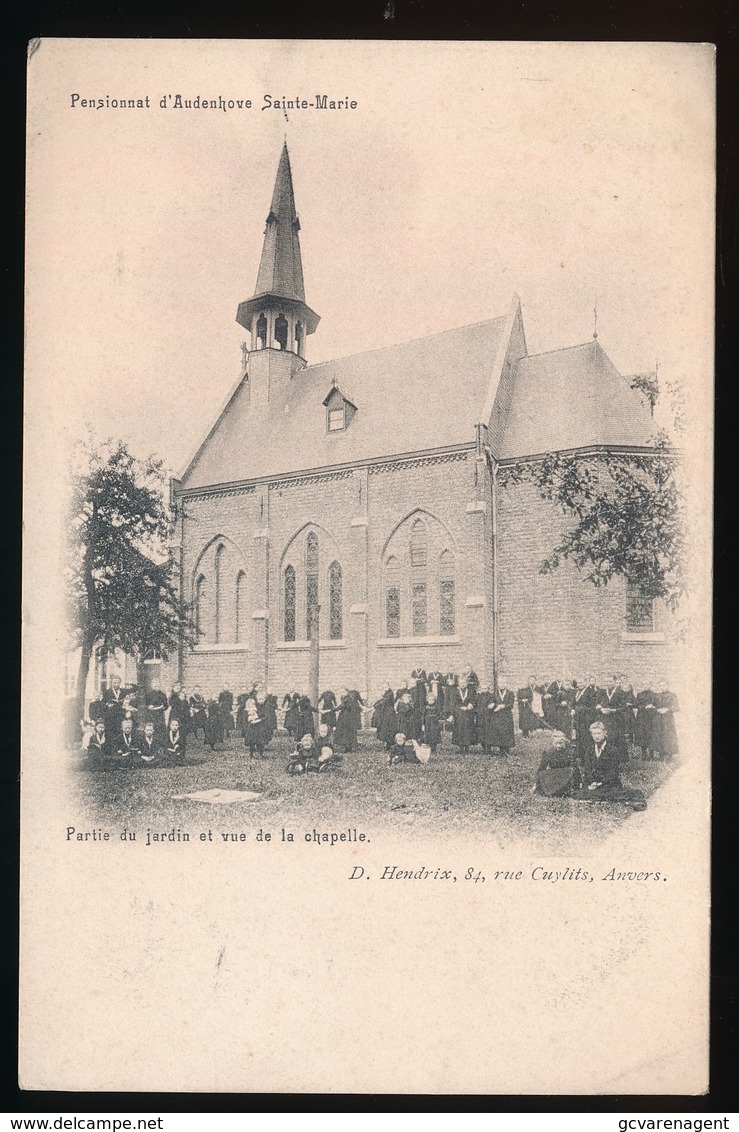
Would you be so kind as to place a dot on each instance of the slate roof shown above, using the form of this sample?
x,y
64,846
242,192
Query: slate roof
x,y
421,395
572,398
281,268
425,395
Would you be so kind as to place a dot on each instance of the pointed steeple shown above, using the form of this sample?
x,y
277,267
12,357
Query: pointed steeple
x,y
283,318
281,269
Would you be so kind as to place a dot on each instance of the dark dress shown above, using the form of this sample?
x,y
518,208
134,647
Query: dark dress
x,y
128,751
271,713
403,753
664,732
644,724
384,719
561,708
214,729
327,709
548,695
226,704
304,724
112,709
464,731
406,719
432,726
179,709
101,754
435,684
156,707
609,707
495,721
197,713
152,754
528,719
257,733
418,697
601,780
585,714
448,699
291,715
174,748
345,736
558,775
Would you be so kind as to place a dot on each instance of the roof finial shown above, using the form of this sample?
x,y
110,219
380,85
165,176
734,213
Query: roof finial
x,y
595,316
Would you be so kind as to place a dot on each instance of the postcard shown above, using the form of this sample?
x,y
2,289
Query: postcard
x,y
368,519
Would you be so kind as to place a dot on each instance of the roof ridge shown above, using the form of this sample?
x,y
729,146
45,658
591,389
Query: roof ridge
x,y
562,349
407,342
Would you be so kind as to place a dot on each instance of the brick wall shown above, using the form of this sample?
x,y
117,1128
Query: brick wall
x,y
359,516
560,624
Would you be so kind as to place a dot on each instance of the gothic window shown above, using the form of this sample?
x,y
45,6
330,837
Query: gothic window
x,y
447,617
420,609
639,610
334,602
261,332
240,627
201,608
218,594
281,329
392,597
290,596
311,578
419,544
419,592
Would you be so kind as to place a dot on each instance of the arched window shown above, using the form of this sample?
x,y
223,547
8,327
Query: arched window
x,y
281,329
240,627
334,601
290,596
447,602
298,337
311,578
261,332
218,593
419,588
201,608
392,597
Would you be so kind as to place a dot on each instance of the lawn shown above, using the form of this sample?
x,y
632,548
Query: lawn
x,y
453,795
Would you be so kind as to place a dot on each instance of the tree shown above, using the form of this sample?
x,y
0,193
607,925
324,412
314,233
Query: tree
x,y
121,587
628,512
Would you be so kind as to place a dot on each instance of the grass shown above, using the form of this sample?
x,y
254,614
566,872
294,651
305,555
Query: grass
x,y
473,796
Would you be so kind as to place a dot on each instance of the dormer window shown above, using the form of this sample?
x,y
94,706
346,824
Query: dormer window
x,y
339,410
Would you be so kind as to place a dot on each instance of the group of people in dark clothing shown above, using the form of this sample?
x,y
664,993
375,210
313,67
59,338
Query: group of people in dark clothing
x,y
428,704
594,728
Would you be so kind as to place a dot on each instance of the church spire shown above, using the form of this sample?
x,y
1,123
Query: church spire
x,y
277,314
281,269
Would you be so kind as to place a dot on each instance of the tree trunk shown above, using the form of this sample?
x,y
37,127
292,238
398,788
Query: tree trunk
x,y
88,645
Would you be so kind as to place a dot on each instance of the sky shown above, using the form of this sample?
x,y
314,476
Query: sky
x,y
569,174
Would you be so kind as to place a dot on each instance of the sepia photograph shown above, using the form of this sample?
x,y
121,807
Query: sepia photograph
x,y
367,539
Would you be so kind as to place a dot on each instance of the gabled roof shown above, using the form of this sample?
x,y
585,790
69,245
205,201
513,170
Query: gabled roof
x,y
572,398
335,388
421,395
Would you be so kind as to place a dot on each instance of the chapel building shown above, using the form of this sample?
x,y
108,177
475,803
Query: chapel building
x,y
369,487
